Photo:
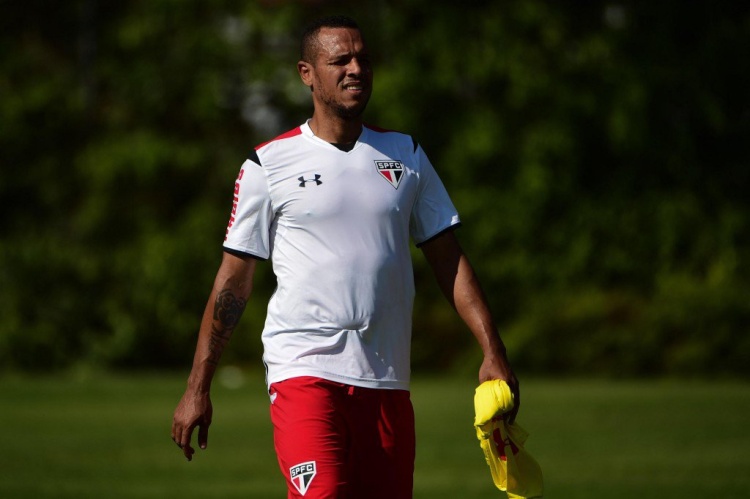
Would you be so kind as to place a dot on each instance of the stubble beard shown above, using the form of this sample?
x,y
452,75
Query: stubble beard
x,y
342,111
348,112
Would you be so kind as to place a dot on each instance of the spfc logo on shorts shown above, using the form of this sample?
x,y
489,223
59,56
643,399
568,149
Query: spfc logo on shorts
x,y
391,170
302,475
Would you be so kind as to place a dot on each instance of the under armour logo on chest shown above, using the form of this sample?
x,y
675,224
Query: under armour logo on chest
x,y
303,180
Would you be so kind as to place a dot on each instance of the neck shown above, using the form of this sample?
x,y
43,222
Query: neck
x,y
336,131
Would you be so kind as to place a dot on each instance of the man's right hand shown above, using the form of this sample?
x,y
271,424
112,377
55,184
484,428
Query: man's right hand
x,y
194,410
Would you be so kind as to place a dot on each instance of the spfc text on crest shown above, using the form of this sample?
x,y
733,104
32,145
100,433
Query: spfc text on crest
x,y
391,170
302,475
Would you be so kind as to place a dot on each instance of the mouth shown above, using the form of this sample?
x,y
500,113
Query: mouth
x,y
354,87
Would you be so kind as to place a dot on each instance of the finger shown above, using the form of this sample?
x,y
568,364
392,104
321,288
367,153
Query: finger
x,y
512,415
176,432
516,405
188,452
184,443
203,436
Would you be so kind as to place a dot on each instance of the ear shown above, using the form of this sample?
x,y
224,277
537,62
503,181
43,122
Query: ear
x,y
305,71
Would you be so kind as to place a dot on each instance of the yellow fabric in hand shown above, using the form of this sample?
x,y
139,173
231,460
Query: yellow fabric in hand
x,y
513,469
491,398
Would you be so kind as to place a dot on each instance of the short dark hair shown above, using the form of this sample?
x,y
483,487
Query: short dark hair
x,y
308,47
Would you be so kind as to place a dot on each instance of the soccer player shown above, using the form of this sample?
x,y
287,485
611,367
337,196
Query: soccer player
x,y
334,205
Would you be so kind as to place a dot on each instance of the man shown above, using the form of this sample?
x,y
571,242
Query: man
x,y
334,204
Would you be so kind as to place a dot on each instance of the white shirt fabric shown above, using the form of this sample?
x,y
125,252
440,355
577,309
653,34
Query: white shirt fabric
x,y
337,227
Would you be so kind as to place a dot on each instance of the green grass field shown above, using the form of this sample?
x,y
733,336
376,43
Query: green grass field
x,y
109,437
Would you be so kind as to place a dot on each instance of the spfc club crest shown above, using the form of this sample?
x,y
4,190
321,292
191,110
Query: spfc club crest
x,y
302,475
391,170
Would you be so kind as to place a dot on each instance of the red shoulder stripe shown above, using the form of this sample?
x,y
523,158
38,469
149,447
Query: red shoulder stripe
x,y
378,129
291,133
385,130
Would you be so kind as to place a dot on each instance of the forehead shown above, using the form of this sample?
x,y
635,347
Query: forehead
x,y
340,41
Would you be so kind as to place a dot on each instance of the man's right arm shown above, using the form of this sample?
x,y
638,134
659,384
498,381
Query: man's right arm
x,y
231,290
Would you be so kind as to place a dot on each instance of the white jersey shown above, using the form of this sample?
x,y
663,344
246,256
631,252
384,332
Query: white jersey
x,y
337,227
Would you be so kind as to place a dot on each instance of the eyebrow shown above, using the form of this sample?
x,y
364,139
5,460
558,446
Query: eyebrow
x,y
346,54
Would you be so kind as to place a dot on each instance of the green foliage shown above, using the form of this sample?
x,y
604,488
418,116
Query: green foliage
x,y
597,154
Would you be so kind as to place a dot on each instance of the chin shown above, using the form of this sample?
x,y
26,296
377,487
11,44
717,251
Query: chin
x,y
351,112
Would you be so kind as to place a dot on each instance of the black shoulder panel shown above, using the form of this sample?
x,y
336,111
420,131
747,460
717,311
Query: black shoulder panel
x,y
416,144
253,156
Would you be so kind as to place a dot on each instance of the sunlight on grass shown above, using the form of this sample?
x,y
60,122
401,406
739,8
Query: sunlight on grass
x,y
108,436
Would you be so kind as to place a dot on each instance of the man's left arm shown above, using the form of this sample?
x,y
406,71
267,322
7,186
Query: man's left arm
x,y
460,285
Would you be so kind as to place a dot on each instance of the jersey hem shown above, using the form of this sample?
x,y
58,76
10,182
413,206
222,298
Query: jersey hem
x,y
238,252
364,383
439,233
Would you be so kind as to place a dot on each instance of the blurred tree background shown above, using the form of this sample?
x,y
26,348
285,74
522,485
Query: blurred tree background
x,y
597,152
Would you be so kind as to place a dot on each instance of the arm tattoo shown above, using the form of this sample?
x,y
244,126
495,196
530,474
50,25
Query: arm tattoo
x,y
227,312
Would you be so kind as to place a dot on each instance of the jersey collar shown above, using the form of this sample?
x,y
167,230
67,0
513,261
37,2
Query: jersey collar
x,y
307,132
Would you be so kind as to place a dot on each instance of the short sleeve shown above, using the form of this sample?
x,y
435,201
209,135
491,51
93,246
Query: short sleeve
x,y
433,210
249,225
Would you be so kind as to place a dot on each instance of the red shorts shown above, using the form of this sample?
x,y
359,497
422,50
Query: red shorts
x,y
338,441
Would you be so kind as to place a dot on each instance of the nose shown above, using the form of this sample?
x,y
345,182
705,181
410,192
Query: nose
x,y
354,67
